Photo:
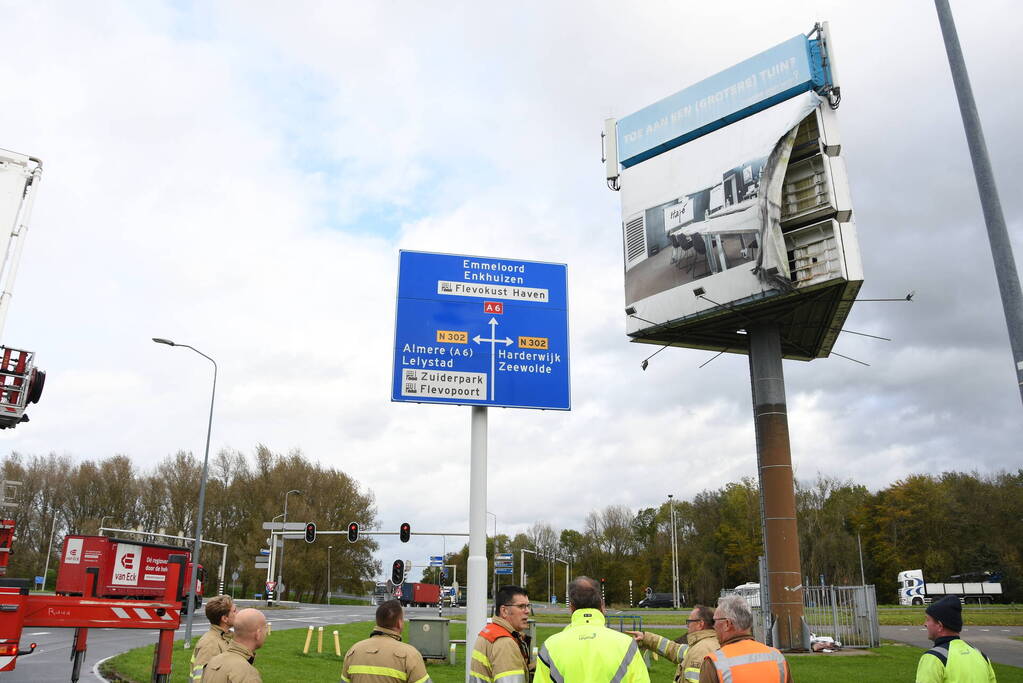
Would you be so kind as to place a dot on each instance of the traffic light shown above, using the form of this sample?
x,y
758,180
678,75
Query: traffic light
x,y
353,532
398,573
404,532
310,532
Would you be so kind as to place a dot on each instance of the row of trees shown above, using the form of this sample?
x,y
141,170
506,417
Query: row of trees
x,y
948,524
58,497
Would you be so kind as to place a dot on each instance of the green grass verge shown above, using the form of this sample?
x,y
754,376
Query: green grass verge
x,y
281,660
1001,615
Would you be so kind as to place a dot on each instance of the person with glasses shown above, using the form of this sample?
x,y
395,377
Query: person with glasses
x,y
701,640
501,652
741,659
587,650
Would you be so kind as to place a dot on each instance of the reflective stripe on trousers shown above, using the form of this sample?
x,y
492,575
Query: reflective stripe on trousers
x,y
558,677
725,664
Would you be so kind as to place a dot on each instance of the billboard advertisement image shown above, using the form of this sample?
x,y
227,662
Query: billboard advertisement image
x,y
741,217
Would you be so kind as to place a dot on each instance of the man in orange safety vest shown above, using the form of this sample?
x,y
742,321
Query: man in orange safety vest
x,y
741,659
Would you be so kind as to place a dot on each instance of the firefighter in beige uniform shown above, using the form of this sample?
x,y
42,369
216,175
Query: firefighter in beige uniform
x,y
221,612
383,658
501,652
234,665
701,640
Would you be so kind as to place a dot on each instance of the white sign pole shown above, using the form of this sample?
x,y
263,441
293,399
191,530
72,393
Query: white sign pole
x,y
476,602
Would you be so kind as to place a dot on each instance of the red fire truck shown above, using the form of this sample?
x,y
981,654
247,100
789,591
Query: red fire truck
x,y
85,604
124,569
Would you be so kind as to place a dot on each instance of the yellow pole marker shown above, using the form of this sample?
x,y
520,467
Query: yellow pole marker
x,y
319,641
269,627
337,644
308,639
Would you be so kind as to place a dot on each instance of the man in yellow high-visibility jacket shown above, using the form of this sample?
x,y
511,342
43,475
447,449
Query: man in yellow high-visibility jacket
x,y
952,659
587,650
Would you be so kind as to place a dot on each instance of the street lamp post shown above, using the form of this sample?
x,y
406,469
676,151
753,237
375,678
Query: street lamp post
x,y
202,494
329,548
102,521
49,549
494,580
674,554
280,561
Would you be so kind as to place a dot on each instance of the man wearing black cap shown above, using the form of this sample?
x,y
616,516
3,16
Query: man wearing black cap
x,y
951,660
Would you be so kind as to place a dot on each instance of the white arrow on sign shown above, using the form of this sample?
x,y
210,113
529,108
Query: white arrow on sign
x,y
493,340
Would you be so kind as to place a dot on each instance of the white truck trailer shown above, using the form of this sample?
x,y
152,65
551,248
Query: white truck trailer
x,y
978,588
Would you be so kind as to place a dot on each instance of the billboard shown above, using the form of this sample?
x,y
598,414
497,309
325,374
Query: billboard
x,y
785,70
749,218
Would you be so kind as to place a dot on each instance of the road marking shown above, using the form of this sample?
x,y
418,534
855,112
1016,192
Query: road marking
x,y
95,667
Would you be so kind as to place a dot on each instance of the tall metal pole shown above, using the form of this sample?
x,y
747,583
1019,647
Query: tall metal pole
x,y
476,602
674,553
994,219
280,561
202,495
223,566
329,548
778,498
49,548
863,577
494,590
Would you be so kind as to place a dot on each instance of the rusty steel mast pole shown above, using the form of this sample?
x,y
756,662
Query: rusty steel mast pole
x,y
774,458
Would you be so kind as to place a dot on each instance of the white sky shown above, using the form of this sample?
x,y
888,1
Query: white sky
x,y
240,176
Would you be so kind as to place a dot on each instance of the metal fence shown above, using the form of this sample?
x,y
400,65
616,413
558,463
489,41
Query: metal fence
x,y
846,613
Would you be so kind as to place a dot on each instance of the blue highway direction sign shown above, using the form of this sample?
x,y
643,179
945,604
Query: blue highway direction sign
x,y
472,330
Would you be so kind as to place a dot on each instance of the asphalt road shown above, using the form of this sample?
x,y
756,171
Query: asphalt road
x,y
51,662
993,641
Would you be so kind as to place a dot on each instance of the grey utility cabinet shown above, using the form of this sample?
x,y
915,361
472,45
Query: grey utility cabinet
x,y
430,635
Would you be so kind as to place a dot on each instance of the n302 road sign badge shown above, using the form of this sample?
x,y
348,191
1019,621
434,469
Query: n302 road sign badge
x,y
472,330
